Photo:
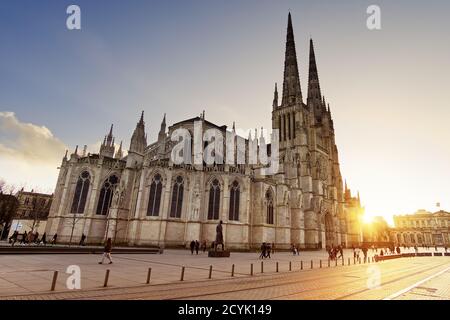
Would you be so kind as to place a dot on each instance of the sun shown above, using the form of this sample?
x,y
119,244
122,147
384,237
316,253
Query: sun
x,y
367,219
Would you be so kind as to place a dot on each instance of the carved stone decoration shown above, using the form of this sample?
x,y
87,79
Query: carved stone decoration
x,y
196,199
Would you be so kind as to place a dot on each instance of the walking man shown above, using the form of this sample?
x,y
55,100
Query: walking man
x,y
192,245
107,251
197,246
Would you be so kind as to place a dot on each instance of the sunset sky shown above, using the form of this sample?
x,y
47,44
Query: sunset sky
x,y
389,89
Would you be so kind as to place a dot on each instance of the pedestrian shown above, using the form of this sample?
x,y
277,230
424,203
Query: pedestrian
x,y
192,246
268,250
263,251
44,238
341,251
107,251
13,238
204,245
36,237
30,237
197,246
293,249
83,238
24,237
53,241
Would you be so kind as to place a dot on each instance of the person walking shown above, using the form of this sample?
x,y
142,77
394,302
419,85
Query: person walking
x,y
204,245
107,251
83,238
53,241
263,251
268,251
192,245
13,238
44,238
197,246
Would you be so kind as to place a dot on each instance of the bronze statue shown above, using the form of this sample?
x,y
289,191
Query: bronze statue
x,y
219,236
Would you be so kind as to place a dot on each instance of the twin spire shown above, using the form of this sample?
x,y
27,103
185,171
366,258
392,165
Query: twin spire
x,y
292,93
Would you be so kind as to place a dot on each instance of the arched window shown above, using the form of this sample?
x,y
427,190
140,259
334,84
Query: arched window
x,y
81,192
177,198
214,200
399,238
419,238
269,200
106,195
234,202
412,238
154,198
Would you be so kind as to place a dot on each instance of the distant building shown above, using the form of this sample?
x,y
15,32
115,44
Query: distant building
x,y
421,228
354,213
32,212
378,231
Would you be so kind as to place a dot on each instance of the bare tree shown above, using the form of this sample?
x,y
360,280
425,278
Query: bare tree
x,y
8,209
72,223
39,211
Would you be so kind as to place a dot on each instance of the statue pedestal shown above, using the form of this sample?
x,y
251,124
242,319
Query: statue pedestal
x,y
219,254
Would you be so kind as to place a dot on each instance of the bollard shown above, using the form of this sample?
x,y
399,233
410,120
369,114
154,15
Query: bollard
x,y
301,265
335,262
328,263
182,274
210,272
232,270
262,266
359,260
55,276
290,266
149,273
343,261
354,260
105,283
320,263
311,264
251,269
348,261
277,266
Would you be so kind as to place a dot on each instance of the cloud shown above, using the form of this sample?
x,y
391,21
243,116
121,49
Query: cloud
x,y
29,154
28,142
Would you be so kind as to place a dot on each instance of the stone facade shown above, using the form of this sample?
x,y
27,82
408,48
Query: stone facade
x,y
422,228
144,198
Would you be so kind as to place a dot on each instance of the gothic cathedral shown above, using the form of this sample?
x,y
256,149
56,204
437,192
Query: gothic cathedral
x,y
144,198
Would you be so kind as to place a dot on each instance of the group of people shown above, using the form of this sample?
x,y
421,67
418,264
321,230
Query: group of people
x,y
30,238
33,238
295,249
266,250
195,246
335,252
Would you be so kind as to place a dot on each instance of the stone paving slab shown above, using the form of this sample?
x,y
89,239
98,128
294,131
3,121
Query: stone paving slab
x,y
21,274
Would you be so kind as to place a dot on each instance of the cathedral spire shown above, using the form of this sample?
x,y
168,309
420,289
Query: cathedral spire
x,y
275,97
162,130
314,94
138,139
292,92
119,153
